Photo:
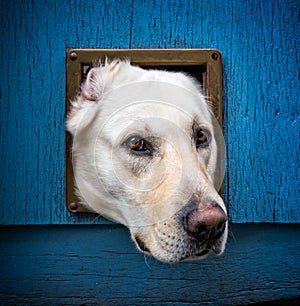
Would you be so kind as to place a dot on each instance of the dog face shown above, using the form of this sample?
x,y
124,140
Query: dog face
x,y
146,153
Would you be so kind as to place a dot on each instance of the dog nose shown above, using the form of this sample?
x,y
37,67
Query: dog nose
x,y
206,222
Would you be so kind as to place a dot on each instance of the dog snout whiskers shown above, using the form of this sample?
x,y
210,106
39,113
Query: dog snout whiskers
x,y
206,224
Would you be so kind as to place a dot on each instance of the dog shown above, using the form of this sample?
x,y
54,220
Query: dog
x,y
146,154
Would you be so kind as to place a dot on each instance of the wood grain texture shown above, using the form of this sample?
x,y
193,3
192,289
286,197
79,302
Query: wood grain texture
x,y
83,265
258,40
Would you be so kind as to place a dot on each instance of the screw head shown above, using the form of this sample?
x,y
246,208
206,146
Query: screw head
x,y
73,206
214,56
73,56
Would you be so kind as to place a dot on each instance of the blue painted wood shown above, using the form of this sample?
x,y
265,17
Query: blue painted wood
x,y
259,41
84,265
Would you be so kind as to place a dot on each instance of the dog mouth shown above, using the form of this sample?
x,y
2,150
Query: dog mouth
x,y
186,251
141,245
194,251
198,255
193,255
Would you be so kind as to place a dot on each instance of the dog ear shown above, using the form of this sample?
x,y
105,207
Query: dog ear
x,y
92,89
98,80
83,108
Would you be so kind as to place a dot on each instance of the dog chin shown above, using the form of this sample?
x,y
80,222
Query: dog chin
x,y
176,258
185,252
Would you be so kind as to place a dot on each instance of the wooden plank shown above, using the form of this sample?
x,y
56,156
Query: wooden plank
x,y
87,265
263,120
259,43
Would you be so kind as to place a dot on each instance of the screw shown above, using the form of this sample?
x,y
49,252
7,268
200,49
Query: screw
x,y
214,56
73,206
73,56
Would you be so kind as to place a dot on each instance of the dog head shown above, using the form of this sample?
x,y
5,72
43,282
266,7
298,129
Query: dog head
x,y
147,154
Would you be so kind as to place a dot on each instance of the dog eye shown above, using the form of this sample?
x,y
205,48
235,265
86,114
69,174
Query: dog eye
x,y
202,138
138,145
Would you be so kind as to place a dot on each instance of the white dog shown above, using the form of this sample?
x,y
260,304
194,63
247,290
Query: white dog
x,y
146,154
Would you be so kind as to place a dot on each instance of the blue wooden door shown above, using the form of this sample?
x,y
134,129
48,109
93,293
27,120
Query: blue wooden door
x,y
50,256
